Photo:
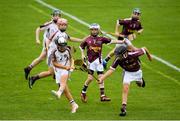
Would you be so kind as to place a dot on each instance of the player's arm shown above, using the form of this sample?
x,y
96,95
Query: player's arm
x,y
140,31
57,65
117,41
71,60
148,54
106,75
83,57
82,48
38,30
110,71
74,39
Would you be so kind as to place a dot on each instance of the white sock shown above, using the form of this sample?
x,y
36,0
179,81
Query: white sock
x,y
59,92
72,102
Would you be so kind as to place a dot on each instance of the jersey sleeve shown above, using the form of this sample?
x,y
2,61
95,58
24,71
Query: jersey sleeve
x,y
106,40
45,26
137,53
122,22
83,44
115,64
140,27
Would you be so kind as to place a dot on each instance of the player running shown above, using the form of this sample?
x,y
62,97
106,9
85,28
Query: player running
x,y
94,44
63,63
62,26
130,27
130,63
51,25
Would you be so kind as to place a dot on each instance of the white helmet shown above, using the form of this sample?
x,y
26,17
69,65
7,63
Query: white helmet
x,y
61,41
94,26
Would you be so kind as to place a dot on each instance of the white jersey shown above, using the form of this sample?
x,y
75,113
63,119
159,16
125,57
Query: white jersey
x,y
55,36
52,46
62,58
49,28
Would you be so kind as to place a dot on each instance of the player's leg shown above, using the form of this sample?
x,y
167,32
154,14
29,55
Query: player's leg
x,y
86,84
43,74
63,81
103,97
74,105
34,63
108,57
139,79
125,91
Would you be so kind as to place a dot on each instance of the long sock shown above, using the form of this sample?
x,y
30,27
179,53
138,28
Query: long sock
x,y
72,102
124,106
84,89
102,92
36,77
107,58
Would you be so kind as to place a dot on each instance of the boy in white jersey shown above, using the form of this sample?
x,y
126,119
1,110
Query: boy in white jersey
x,y
48,28
63,63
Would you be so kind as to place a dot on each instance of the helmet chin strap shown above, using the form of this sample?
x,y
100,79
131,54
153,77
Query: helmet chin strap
x,y
62,30
94,35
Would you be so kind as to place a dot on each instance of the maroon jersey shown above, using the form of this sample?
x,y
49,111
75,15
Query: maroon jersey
x,y
129,26
94,47
131,63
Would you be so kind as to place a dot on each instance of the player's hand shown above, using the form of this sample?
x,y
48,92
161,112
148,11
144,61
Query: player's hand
x,y
72,67
100,81
38,42
149,56
83,58
67,68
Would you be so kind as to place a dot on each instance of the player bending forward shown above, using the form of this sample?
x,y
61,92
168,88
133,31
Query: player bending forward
x,y
94,44
130,63
63,63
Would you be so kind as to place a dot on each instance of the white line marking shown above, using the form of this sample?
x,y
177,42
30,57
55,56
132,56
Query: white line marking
x,y
161,73
86,24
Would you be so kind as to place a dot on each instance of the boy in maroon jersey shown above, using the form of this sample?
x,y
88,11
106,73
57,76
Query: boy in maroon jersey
x,y
130,63
93,44
129,27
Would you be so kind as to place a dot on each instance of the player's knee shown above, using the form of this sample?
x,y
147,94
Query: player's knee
x,y
126,88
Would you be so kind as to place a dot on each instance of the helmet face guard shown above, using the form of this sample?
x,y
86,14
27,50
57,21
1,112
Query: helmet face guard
x,y
120,51
136,11
62,47
61,44
95,28
56,13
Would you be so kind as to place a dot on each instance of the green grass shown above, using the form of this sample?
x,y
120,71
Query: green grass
x,y
159,100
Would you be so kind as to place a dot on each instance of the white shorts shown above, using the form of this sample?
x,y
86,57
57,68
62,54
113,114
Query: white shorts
x,y
59,73
96,66
128,77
